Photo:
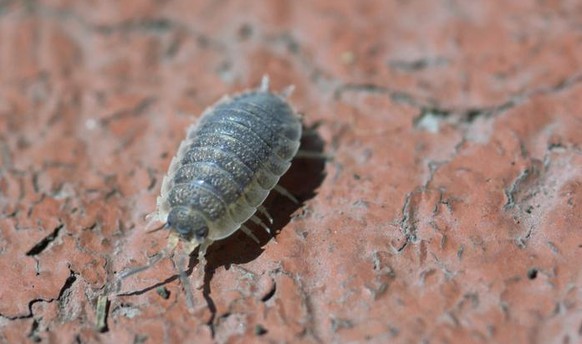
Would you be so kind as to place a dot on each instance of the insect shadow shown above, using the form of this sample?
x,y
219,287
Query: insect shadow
x,y
302,179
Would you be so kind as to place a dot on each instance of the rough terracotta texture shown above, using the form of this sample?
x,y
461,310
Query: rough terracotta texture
x,y
451,211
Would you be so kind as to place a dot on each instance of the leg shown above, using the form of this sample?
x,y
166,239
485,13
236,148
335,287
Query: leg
x,y
181,266
313,155
248,232
286,193
258,221
287,92
265,213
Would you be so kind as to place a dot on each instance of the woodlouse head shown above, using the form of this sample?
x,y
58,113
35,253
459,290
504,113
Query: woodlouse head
x,y
188,223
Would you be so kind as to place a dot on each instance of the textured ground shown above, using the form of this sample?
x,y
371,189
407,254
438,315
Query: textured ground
x,y
451,212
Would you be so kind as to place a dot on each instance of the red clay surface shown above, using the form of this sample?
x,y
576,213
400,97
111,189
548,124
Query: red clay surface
x,y
451,211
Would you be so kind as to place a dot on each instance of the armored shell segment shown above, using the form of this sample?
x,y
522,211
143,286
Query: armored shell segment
x,y
228,164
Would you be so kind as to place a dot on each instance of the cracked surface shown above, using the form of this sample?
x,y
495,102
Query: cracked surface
x,y
451,212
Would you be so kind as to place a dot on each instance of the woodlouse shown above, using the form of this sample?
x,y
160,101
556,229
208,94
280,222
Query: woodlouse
x,y
225,168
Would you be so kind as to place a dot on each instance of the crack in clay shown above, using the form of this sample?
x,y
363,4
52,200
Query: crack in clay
x,y
45,242
407,224
65,296
66,286
270,293
341,323
35,203
553,247
430,119
64,292
449,275
401,248
458,116
521,242
418,64
155,25
34,181
5,155
469,115
430,111
30,313
310,323
515,187
397,96
433,167
292,47
35,330
310,326
136,111
153,180
460,251
145,25
384,274
521,193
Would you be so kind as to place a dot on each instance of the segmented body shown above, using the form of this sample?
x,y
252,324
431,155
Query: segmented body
x,y
229,162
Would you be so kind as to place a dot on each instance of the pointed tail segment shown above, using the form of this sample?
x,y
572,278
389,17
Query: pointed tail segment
x,y
286,93
264,84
